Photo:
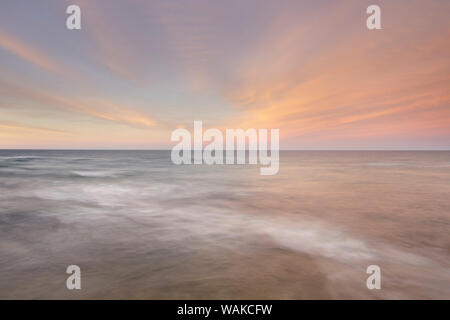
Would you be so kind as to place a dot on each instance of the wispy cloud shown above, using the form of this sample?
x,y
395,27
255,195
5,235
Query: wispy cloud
x,y
94,107
12,125
26,52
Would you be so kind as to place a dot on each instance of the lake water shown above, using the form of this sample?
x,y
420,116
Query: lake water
x,y
141,227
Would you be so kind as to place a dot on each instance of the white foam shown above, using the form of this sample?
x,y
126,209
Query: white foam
x,y
313,240
94,174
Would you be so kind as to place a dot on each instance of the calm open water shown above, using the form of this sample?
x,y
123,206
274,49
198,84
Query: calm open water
x,y
140,227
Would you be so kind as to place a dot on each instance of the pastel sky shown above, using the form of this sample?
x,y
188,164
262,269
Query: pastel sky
x,y
137,70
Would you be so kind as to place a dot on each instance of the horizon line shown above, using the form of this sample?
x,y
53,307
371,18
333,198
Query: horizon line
x,y
151,149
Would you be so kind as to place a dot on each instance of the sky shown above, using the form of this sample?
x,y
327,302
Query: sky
x,y
137,70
